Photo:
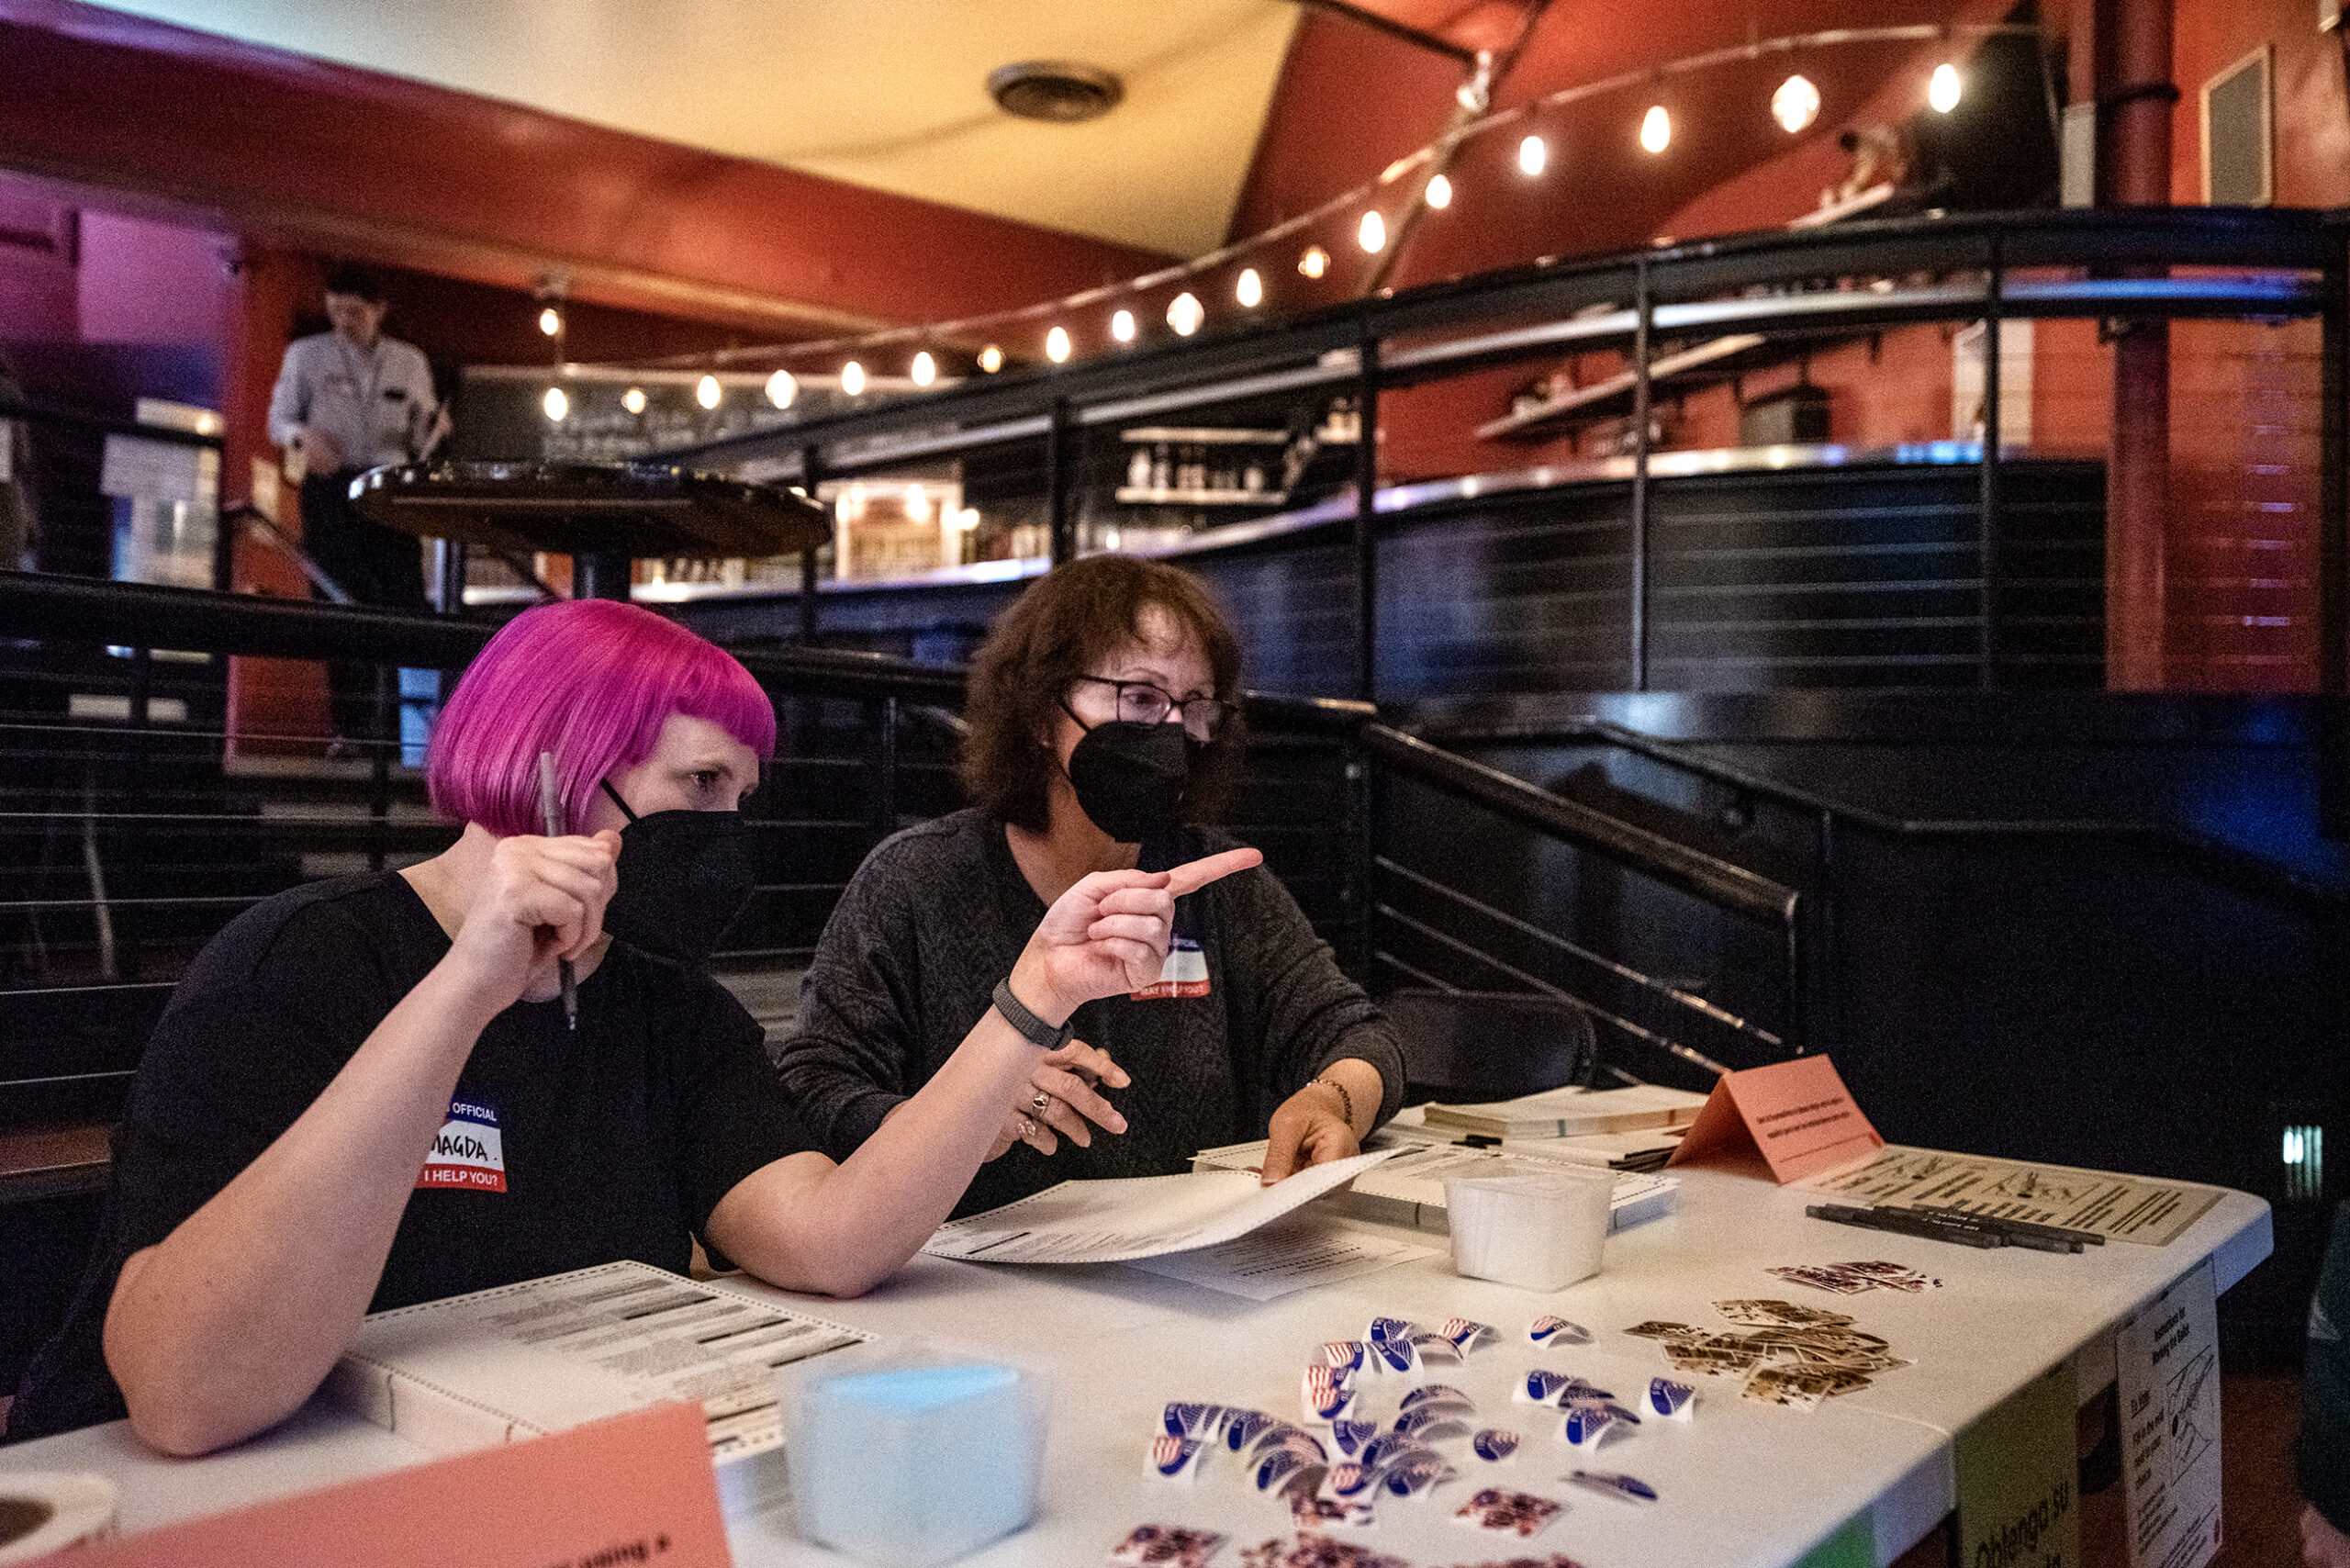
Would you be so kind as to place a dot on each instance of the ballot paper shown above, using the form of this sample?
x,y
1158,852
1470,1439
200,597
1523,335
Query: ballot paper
x,y
1409,1189
1140,1217
2124,1208
1289,1254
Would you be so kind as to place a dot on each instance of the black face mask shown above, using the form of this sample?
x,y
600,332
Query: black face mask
x,y
1131,779
684,877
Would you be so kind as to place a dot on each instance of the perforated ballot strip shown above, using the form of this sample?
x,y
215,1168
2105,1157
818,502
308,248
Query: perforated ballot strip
x,y
2124,1208
1140,1217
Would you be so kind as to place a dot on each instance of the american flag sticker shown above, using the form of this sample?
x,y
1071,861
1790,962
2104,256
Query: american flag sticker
x,y
466,1151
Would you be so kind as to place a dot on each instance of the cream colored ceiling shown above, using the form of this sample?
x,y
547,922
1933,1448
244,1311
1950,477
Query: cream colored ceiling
x,y
887,94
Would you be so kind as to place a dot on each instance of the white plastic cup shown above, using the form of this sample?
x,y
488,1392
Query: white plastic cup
x,y
1541,1231
915,1459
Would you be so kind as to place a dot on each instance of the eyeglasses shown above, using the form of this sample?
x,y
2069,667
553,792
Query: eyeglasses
x,y
1139,703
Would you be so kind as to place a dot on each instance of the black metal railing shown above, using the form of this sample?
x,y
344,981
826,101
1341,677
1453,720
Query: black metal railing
x,y
1790,291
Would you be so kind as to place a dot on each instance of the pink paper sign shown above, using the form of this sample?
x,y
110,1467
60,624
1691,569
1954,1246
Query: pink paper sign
x,y
1787,1120
636,1490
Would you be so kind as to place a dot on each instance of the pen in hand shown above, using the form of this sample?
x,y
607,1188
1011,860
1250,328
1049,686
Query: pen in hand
x,y
551,822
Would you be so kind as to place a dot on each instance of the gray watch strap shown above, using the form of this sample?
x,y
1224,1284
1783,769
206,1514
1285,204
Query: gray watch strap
x,y
1031,1028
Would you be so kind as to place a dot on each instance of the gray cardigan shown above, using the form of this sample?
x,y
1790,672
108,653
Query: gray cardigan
x,y
935,917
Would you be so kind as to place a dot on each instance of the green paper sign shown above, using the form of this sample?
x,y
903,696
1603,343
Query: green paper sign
x,y
2016,1475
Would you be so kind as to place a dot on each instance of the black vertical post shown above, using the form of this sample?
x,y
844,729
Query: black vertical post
x,y
1986,528
449,576
1366,539
1356,958
2334,548
142,839
881,767
812,474
382,744
1644,311
1060,501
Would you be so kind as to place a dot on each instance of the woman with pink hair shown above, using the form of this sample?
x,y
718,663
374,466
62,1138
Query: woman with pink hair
x,y
391,1087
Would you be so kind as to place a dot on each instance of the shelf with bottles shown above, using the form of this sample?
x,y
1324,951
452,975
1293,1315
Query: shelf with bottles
x,y
1203,467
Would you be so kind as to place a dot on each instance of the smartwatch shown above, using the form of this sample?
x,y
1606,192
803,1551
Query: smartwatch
x,y
1033,1029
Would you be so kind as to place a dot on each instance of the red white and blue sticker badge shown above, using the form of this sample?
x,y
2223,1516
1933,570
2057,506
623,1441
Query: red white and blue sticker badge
x,y
466,1151
1185,972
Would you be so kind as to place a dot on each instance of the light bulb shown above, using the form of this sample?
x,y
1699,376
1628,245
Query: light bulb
x,y
1122,326
1315,262
634,399
1440,191
550,320
1532,154
1943,90
707,392
556,404
917,504
1372,235
1184,313
1250,289
1656,129
990,359
852,378
782,387
924,369
1057,344
1795,105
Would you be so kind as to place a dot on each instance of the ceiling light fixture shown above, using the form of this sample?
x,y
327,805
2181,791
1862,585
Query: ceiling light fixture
x,y
1058,92
1372,235
1314,261
707,392
1944,91
782,387
551,320
990,359
1057,345
556,404
852,379
1656,129
1184,313
633,399
1532,155
924,369
1122,326
1250,289
1440,191
1795,105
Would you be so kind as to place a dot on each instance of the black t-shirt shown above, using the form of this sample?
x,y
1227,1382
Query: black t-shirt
x,y
562,1149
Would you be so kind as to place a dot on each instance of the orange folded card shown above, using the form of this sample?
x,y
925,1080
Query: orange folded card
x,y
1786,1121
636,1489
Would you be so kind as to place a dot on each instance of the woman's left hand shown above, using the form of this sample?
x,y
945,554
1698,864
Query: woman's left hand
x,y
1310,1129
1065,1082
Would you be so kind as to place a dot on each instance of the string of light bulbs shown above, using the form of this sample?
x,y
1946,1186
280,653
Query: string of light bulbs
x,y
1794,106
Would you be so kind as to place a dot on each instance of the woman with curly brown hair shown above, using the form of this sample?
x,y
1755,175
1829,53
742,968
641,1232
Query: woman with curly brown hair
x,y
1103,733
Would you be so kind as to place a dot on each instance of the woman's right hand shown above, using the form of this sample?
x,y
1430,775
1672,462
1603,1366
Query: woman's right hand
x,y
1109,934
542,902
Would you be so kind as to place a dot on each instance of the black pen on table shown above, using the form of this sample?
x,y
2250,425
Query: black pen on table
x,y
1907,1222
551,821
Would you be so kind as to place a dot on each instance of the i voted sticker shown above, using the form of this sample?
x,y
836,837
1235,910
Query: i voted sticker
x,y
1557,1331
467,1153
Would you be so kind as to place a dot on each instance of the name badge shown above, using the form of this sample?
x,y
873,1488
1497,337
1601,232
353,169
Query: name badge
x,y
466,1151
1185,972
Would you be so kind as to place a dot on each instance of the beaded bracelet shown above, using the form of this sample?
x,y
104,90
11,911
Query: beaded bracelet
x,y
1344,1099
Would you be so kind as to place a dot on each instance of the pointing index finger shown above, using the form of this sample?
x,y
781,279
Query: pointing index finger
x,y
1199,873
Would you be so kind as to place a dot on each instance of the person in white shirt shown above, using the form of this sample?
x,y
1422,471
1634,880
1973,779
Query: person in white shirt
x,y
347,401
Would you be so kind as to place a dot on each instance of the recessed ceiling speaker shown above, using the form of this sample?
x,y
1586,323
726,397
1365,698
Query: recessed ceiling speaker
x,y
1061,92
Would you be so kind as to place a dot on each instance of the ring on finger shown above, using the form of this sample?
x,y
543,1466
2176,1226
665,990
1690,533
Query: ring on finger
x,y
1027,1127
1040,1102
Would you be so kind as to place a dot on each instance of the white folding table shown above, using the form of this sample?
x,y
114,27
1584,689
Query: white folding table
x,y
1744,1485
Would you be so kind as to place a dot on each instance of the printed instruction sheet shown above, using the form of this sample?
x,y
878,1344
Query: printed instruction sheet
x,y
2122,1208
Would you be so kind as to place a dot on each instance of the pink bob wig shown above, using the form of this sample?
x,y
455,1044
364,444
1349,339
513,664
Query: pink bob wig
x,y
591,680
